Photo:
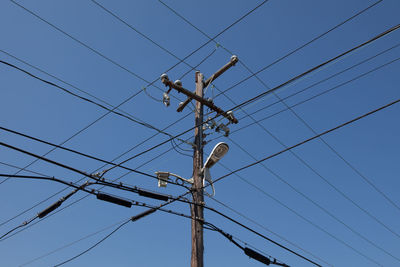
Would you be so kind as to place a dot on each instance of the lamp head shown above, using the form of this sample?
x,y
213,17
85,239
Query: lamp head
x,y
217,153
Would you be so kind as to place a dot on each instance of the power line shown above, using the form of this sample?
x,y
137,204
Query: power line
x,y
134,218
181,199
286,55
310,139
72,243
259,224
327,182
273,89
76,201
147,125
315,203
328,78
129,150
304,218
93,246
279,141
51,207
388,31
78,153
317,95
129,98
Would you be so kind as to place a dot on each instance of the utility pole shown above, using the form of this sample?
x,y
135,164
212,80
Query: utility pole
x,y
197,211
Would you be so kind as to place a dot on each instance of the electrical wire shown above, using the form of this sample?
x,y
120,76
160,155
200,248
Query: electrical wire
x,y
73,203
145,124
96,244
98,179
377,37
319,94
121,186
326,211
271,90
50,208
328,78
122,67
284,56
261,225
76,152
324,179
311,138
172,199
121,224
98,169
71,243
135,94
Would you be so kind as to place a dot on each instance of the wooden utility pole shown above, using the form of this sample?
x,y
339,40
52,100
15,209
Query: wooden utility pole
x,y
197,210
198,197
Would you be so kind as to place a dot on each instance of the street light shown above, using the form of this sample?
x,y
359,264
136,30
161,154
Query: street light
x,y
216,154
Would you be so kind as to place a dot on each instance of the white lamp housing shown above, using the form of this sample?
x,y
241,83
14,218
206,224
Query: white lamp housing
x,y
217,153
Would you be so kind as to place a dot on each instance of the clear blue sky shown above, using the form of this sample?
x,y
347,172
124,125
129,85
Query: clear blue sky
x,y
370,145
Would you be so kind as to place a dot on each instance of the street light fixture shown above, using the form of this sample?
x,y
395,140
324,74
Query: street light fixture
x,y
218,152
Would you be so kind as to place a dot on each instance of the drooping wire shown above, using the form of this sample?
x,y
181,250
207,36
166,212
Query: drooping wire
x,y
80,199
317,95
275,88
147,125
182,199
388,31
75,152
261,225
108,59
330,77
96,244
312,138
340,192
122,68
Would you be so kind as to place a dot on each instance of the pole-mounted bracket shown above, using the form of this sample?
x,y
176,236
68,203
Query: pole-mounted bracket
x,y
231,63
206,102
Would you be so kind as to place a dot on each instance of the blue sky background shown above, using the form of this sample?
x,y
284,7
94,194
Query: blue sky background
x,y
370,145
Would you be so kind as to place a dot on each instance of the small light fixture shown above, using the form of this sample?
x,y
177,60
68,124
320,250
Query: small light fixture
x,y
218,152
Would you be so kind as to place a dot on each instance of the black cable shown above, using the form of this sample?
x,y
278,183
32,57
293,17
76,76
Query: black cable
x,y
310,139
318,95
259,224
175,147
97,243
172,199
70,244
394,28
340,192
17,227
120,66
328,78
284,56
72,168
77,152
80,199
150,210
50,208
147,125
330,184
129,98
271,90
343,125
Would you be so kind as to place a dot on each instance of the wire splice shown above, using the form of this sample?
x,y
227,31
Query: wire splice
x,y
257,256
145,193
115,200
